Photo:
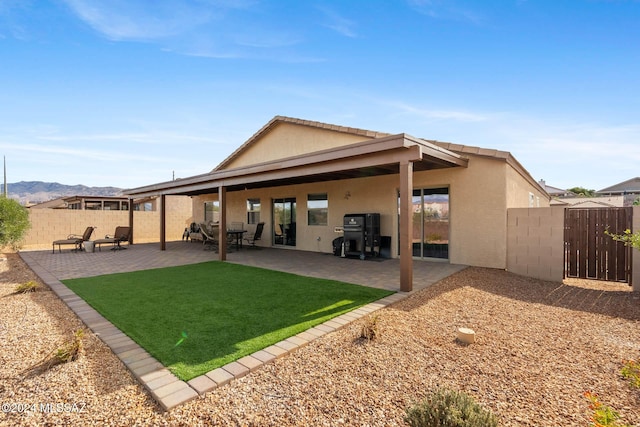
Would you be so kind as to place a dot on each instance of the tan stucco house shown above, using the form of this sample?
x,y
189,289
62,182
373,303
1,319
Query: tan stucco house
x,y
436,200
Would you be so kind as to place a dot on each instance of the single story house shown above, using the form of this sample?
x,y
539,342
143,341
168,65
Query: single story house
x,y
435,200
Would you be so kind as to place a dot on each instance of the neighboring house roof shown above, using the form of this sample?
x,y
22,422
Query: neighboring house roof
x,y
626,187
63,202
555,191
369,134
593,203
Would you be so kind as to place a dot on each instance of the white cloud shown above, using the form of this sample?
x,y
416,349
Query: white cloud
x,y
137,20
436,114
338,23
451,10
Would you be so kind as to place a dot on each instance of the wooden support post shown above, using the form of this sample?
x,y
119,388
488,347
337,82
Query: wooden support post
x,y
222,229
406,249
163,222
131,221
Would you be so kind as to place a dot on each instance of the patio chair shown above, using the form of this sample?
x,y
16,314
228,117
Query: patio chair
x,y
122,234
256,236
74,239
279,235
209,237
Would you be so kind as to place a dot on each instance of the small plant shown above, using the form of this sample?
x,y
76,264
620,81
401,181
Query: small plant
x,y
627,237
603,416
70,350
631,371
447,408
30,286
369,330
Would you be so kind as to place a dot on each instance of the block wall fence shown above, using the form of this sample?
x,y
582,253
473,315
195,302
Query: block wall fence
x,y
48,225
535,243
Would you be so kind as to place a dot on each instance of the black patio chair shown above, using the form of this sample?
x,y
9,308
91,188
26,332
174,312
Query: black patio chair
x,y
256,236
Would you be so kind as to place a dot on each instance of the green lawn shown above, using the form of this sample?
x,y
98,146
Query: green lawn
x,y
196,318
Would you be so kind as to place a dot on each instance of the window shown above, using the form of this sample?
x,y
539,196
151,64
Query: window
x,y
211,211
111,206
317,209
253,211
93,206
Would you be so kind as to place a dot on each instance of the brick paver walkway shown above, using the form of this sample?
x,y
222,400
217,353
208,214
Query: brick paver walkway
x,y
165,387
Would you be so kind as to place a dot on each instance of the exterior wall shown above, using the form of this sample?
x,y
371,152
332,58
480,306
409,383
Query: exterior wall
x,y
478,209
519,189
287,140
48,225
536,242
377,194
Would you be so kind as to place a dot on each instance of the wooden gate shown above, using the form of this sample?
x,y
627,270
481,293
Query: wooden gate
x,y
591,254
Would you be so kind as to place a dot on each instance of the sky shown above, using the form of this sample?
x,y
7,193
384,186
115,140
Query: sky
x,y
128,93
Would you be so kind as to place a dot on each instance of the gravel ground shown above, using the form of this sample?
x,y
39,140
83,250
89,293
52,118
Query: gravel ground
x,y
539,347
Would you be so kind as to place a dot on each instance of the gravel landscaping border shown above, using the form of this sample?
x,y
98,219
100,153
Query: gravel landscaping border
x,y
539,346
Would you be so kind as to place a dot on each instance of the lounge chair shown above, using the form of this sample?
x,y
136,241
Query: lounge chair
x,y
122,234
256,236
74,239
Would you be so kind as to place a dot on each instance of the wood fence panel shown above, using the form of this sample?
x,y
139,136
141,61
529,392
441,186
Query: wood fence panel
x,y
589,252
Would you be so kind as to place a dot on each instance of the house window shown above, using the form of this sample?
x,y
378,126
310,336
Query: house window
x,y
253,211
211,211
317,209
144,207
111,206
93,206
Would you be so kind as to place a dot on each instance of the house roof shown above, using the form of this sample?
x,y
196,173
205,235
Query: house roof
x,y
434,154
629,186
283,119
456,148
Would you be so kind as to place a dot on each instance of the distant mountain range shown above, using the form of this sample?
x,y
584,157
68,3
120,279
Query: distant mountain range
x,y
30,192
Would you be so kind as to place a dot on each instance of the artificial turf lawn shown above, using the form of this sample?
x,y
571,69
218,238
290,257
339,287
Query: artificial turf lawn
x,y
199,317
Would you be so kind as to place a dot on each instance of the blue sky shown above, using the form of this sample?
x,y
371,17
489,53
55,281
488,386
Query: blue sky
x,y
127,93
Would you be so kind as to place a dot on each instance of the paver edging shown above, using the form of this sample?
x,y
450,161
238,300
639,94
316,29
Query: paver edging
x,y
167,389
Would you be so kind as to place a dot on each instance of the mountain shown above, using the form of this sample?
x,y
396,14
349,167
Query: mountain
x,y
30,192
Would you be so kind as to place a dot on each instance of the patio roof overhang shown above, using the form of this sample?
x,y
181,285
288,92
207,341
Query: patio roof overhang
x,y
395,154
374,157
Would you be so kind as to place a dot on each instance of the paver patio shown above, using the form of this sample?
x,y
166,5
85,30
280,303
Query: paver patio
x,y
167,389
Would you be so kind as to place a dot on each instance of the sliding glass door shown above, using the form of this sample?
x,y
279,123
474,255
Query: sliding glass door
x,y
430,223
284,222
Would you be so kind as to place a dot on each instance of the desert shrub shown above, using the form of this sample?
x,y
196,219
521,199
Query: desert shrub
x,y
369,329
70,350
631,371
602,415
14,222
29,286
447,408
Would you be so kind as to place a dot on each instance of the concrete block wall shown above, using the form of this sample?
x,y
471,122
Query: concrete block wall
x,y
535,242
48,225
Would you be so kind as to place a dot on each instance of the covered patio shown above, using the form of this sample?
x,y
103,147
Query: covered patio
x,y
398,155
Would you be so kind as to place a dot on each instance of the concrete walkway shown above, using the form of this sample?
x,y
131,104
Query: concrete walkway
x,y
165,387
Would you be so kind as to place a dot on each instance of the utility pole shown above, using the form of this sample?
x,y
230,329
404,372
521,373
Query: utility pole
x,y
4,189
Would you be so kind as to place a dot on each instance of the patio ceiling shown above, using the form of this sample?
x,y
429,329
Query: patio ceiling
x,y
381,156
